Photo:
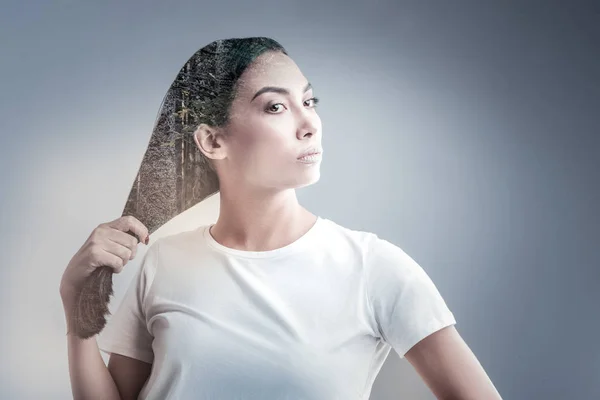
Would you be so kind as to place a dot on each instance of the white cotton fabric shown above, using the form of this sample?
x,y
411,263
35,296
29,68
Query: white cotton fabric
x,y
314,320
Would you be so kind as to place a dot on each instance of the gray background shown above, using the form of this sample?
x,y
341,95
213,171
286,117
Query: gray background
x,y
467,133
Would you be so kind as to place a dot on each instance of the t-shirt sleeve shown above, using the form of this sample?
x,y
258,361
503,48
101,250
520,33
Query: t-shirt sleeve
x,y
126,330
405,303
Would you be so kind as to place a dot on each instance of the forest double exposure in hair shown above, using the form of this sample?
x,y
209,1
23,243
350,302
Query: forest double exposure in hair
x,y
174,174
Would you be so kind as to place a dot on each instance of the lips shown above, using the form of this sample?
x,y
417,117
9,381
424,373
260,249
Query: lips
x,y
310,152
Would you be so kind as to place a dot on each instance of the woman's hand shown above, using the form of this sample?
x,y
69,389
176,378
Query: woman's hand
x,y
110,244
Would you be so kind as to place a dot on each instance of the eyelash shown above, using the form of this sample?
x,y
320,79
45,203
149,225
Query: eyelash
x,y
314,99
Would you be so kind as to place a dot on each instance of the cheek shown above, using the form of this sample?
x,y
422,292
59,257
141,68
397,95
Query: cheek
x,y
264,143
263,140
246,136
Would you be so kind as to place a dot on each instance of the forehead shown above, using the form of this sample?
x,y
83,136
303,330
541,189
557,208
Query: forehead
x,y
271,69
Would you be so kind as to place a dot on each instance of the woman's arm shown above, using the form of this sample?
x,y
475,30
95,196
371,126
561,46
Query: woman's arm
x,y
130,375
449,367
90,377
122,379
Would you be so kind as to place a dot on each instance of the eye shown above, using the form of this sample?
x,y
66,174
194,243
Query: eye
x,y
315,101
270,108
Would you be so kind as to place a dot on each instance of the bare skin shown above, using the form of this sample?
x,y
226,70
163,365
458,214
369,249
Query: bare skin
x,y
258,173
108,245
450,369
256,158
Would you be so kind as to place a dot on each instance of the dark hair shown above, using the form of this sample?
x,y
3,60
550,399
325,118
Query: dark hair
x,y
202,92
207,84
210,76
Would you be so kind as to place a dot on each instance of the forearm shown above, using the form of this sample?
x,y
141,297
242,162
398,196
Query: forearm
x,y
90,378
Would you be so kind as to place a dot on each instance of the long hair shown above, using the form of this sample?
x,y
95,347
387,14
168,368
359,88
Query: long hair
x,y
175,174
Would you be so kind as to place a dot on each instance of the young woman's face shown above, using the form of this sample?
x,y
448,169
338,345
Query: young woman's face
x,y
268,132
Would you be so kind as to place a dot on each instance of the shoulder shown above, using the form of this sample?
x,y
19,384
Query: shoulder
x,y
375,249
333,232
377,253
181,240
386,263
168,249
183,236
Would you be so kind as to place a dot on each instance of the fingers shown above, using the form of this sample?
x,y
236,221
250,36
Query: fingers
x,y
133,225
121,237
115,257
124,240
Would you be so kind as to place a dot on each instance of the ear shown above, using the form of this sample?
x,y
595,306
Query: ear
x,y
210,142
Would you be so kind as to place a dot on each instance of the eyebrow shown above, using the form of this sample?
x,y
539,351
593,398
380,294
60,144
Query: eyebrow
x,y
278,90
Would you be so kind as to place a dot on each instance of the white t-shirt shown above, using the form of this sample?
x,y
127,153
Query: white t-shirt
x,y
314,320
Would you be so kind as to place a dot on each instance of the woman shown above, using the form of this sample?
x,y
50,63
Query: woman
x,y
271,301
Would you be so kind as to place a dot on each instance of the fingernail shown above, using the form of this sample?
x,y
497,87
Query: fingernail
x,y
147,239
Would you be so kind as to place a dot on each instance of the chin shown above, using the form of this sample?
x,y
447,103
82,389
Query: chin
x,y
308,180
293,179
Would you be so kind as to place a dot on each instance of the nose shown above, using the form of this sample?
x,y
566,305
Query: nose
x,y
310,124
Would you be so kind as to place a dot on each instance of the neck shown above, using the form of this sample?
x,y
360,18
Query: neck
x,y
260,221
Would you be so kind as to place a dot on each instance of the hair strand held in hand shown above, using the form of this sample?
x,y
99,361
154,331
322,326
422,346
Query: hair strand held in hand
x,y
91,308
167,183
